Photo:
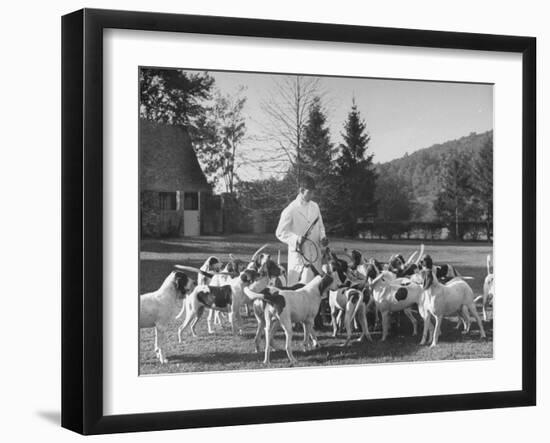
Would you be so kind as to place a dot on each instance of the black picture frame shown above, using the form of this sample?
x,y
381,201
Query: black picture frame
x,y
82,220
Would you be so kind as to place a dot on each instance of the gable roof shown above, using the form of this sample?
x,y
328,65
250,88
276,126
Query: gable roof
x,y
167,159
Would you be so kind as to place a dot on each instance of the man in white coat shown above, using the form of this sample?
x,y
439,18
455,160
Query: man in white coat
x,y
295,220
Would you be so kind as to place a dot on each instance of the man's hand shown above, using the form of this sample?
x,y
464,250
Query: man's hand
x,y
324,242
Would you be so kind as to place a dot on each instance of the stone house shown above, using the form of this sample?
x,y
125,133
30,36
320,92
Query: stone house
x,y
175,197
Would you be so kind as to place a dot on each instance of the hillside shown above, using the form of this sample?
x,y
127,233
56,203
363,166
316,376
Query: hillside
x,y
421,170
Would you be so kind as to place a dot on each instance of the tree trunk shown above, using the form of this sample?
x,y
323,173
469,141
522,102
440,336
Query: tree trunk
x,y
456,223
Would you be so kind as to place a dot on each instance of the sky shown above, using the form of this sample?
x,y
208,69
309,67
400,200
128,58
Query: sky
x,y
401,116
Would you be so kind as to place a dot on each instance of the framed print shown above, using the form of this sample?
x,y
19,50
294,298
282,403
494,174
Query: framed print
x,y
284,221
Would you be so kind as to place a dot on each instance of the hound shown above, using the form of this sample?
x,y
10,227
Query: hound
x,y
347,298
400,268
273,272
488,288
291,306
210,266
157,309
230,270
441,300
444,272
227,298
391,294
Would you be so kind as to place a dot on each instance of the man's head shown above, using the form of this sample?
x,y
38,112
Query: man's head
x,y
307,187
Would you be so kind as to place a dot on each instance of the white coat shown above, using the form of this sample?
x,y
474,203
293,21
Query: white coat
x,y
294,222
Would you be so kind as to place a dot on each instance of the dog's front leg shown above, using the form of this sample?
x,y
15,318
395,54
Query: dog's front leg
x,y
267,321
473,310
211,315
190,316
334,319
198,315
362,313
339,321
350,309
427,323
377,316
313,336
438,321
385,324
161,342
464,318
260,325
286,324
232,321
410,316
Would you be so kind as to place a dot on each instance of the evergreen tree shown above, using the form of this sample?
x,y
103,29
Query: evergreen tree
x,y
173,96
454,202
355,173
316,156
394,199
483,177
316,150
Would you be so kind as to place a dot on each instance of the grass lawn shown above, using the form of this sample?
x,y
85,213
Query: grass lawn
x,y
222,352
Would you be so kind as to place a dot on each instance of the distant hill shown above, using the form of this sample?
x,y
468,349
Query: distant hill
x,y
421,170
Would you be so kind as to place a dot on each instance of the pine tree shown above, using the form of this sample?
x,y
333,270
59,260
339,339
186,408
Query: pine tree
x,y
355,173
173,96
316,151
316,155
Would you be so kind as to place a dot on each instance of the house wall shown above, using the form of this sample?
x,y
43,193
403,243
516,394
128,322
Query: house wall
x,y
168,164
157,222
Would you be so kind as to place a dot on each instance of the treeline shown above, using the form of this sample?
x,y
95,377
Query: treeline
x,y
450,184
422,171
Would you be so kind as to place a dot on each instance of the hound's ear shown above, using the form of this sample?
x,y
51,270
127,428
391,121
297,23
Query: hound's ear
x,y
249,275
265,291
212,261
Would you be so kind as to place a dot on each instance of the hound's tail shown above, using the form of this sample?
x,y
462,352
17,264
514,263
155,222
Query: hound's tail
x,y
354,300
488,264
274,299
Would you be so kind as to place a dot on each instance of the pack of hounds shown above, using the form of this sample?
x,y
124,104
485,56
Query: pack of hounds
x,y
353,287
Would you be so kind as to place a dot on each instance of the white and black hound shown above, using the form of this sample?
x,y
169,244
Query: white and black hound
x,y
291,306
441,300
157,309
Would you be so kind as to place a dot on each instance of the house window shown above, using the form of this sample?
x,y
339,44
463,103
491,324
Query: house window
x,y
191,201
168,201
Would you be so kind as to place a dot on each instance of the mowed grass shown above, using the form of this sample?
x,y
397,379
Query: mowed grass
x,y
223,352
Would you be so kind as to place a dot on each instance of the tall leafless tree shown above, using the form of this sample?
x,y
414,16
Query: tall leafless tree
x,y
286,106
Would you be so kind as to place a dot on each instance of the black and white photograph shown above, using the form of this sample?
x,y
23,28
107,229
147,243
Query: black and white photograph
x,y
291,220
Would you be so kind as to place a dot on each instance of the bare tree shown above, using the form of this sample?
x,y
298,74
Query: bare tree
x,y
287,107
220,132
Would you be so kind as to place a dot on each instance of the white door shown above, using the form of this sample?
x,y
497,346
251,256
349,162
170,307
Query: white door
x,y
191,214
